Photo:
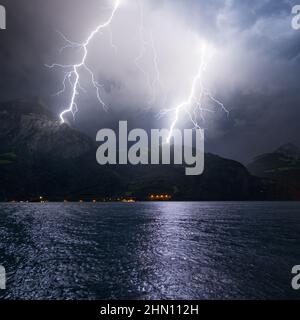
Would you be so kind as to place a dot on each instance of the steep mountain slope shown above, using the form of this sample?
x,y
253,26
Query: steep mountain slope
x,y
42,157
282,166
29,126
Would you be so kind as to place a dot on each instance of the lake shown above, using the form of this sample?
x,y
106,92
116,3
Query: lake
x,y
153,250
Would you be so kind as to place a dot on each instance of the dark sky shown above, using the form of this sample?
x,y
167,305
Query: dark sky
x,y
254,69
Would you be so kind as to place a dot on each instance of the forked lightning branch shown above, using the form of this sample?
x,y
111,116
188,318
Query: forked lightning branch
x,y
192,104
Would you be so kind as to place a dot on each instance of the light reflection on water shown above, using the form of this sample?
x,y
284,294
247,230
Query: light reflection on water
x,y
149,250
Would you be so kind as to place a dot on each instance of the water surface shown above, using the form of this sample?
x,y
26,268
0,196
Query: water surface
x,y
150,250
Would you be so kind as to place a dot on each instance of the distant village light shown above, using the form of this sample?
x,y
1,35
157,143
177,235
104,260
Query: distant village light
x,y
160,197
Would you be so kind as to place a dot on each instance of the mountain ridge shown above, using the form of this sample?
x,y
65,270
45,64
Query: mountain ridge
x,y
59,162
281,166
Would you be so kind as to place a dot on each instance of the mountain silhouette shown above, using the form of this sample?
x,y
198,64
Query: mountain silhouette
x,y
282,166
41,157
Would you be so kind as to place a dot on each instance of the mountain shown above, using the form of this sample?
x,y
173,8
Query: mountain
x,y
41,157
222,180
281,166
29,127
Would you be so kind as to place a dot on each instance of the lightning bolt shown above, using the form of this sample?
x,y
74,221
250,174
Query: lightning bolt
x,y
73,75
193,105
146,43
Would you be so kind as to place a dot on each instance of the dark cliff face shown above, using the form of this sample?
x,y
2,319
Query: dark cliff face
x,y
285,161
29,127
281,166
39,156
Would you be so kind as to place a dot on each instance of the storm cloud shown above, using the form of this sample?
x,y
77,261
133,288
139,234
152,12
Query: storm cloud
x,y
254,66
